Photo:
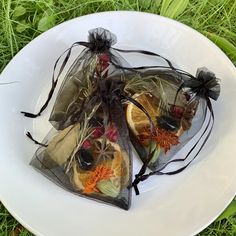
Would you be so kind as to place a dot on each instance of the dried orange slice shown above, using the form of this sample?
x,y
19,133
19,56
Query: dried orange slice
x,y
136,118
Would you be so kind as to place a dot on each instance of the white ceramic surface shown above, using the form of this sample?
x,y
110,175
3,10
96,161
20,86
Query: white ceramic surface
x,y
180,205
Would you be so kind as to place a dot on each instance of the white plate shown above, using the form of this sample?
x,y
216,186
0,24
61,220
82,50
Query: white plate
x,y
179,205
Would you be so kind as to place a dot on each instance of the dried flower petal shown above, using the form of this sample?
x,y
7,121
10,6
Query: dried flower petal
x,y
112,133
103,62
163,138
100,173
166,139
177,111
86,144
97,132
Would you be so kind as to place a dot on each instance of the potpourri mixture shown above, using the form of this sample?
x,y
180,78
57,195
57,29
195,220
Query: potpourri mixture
x,y
105,107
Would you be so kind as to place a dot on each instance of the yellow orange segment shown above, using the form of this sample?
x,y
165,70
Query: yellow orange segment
x,y
136,118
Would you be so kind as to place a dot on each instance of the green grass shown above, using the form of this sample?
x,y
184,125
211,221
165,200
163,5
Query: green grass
x,y
23,20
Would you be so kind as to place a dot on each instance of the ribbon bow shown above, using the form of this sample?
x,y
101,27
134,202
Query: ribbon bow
x,y
209,85
99,40
204,85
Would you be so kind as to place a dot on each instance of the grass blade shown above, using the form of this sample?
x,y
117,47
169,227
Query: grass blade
x,y
174,8
224,44
230,33
164,6
230,211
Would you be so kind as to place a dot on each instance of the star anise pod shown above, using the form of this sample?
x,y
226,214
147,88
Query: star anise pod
x,y
104,149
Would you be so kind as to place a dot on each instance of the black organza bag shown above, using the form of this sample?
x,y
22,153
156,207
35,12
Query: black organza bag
x,y
98,59
104,105
92,157
180,109
177,117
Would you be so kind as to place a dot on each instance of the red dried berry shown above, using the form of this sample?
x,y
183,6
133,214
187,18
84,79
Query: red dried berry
x,y
86,144
177,111
104,60
97,132
112,133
